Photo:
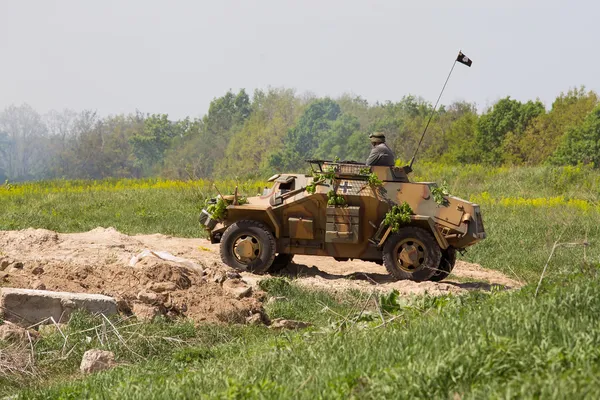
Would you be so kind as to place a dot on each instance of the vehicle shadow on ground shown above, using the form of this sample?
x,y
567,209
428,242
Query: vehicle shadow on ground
x,y
294,270
480,285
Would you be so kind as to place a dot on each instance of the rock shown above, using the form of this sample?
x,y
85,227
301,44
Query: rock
x,y
237,288
252,280
255,319
17,265
280,323
37,270
151,297
146,312
232,275
97,360
27,307
38,285
4,263
160,287
147,297
4,276
276,299
219,278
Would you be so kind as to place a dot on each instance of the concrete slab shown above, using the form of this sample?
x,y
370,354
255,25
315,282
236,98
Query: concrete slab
x,y
27,307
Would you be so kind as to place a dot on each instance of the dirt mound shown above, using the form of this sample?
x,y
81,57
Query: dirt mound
x,y
28,238
98,261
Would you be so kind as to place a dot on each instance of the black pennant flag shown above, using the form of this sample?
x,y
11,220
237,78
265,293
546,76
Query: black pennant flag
x,y
464,59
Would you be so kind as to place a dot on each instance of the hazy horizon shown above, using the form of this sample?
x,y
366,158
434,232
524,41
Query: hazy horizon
x,y
175,58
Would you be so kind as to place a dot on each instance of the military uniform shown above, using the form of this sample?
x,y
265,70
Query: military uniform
x,y
381,154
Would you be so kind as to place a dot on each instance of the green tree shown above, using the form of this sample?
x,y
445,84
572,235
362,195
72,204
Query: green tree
x,y
333,143
150,144
274,112
451,133
506,116
543,136
403,123
203,143
581,144
302,140
460,139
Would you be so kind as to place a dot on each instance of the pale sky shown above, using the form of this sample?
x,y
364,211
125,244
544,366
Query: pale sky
x,y
116,56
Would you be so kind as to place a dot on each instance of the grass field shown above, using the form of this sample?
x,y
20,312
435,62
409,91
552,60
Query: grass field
x,y
480,345
525,210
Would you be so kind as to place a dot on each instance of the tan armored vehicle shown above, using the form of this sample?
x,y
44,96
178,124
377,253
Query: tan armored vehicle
x,y
348,211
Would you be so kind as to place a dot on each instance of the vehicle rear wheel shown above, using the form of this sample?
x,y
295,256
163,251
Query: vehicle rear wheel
x,y
280,262
446,265
248,246
411,253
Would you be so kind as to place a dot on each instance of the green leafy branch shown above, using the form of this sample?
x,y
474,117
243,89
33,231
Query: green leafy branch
x,y
398,216
372,178
334,199
319,177
439,194
218,210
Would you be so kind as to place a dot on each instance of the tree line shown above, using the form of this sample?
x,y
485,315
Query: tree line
x,y
274,130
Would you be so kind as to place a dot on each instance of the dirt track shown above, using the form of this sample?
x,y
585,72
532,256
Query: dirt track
x,y
98,262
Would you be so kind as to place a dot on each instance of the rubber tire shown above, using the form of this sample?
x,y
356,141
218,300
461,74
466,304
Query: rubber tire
x,y
263,235
446,265
432,252
281,261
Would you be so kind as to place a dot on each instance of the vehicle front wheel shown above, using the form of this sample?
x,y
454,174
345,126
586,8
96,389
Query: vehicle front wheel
x,y
411,253
446,265
248,246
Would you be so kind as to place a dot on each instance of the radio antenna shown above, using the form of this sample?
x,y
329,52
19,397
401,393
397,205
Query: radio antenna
x,y
464,60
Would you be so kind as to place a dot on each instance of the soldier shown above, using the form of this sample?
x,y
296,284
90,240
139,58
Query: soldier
x,y
381,154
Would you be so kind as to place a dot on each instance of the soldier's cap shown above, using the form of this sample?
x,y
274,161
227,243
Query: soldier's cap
x,y
377,137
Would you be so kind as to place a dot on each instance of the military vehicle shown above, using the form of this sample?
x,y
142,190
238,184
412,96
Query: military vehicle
x,y
340,210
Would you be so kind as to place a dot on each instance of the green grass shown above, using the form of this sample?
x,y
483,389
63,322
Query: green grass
x,y
480,345
130,206
582,182
519,241
500,345
164,344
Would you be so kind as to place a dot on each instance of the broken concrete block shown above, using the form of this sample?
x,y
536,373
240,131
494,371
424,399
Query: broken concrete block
x,y
28,307
97,360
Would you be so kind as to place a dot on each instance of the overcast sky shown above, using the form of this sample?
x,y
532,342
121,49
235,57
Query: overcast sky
x,y
174,57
